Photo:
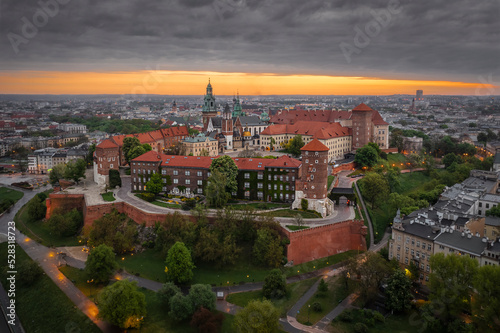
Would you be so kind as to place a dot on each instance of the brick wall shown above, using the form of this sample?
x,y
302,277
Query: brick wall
x,y
64,202
343,167
314,243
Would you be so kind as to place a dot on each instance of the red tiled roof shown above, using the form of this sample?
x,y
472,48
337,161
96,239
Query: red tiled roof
x,y
187,161
107,144
362,107
315,145
150,156
292,116
153,136
284,162
316,129
377,119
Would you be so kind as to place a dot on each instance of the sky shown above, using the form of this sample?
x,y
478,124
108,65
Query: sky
x,y
336,47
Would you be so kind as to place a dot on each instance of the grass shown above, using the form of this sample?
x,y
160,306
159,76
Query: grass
x,y
7,193
396,323
396,159
360,209
297,227
42,306
39,231
329,300
166,204
108,196
295,292
79,278
259,205
319,263
293,213
330,180
412,182
357,216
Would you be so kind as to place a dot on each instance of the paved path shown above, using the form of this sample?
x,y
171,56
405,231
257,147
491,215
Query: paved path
x,y
326,320
370,225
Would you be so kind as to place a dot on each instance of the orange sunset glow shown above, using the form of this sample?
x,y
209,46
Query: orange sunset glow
x,y
192,83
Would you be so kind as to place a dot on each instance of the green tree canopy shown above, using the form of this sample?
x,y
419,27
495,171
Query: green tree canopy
x,y
128,144
372,270
36,209
228,168
201,295
398,292
267,249
167,291
366,156
216,190
75,170
257,317
274,285
486,300
374,188
57,173
179,265
115,230
121,304
101,263
494,211
294,145
181,307
154,185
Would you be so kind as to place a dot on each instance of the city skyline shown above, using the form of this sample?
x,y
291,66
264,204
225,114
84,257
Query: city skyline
x,y
257,46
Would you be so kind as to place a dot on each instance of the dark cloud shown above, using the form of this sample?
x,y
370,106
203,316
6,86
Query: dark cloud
x,y
428,39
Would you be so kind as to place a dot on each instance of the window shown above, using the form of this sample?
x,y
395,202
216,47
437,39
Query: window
x,y
418,244
407,249
134,169
260,175
399,257
176,181
275,177
163,172
412,252
135,179
247,175
111,165
275,186
423,245
427,278
259,185
293,178
260,194
487,205
268,186
286,178
200,190
428,247
164,180
428,268
199,174
200,182
480,204
149,172
247,185
176,172
188,181
399,248
412,241
406,260
187,173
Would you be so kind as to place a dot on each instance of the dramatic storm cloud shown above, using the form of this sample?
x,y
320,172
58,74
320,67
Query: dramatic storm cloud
x,y
407,39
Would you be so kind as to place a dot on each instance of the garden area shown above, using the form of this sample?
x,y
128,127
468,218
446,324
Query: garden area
x,y
8,198
108,196
291,213
354,321
33,290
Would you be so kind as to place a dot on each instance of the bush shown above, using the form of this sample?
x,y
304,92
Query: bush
x,y
167,291
378,317
206,321
274,285
346,316
188,204
316,307
65,225
360,328
304,204
28,272
149,197
323,287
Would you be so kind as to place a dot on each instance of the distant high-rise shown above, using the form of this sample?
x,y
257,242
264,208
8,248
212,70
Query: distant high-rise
x,y
420,95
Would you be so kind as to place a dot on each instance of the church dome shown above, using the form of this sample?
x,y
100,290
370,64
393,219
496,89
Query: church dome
x,y
247,133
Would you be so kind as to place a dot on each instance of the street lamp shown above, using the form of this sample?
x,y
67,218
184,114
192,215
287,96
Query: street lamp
x,y
308,310
90,287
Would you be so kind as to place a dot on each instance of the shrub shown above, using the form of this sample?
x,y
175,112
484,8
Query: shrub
x,y
360,328
323,287
114,178
28,272
149,197
188,204
346,316
206,321
378,317
317,307
304,204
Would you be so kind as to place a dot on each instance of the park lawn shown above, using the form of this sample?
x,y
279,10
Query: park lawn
x,y
149,264
293,213
7,193
295,292
297,227
108,196
42,306
39,231
396,159
412,182
336,293
395,323
319,263
330,180
79,278
259,205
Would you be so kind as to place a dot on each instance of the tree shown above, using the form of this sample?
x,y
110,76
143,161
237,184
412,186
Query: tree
x,y
366,156
36,209
274,285
372,270
175,228
167,291
413,160
181,307
57,173
374,186
206,321
101,263
398,292
217,196
450,284
294,145
154,185
494,211
207,247
135,152
65,225
392,177
299,220
267,249
115,230
128,144
179,266
257,317
121,304
28,272
89,158
322,287
20,155
201,295
482,137
114,178
449,159
75,170
228,168
486,301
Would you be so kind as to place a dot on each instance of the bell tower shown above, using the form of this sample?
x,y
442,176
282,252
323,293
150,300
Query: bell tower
x,y
209,109
227,126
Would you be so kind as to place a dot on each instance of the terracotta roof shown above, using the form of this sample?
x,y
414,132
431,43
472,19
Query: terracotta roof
x,y
377,119
153,136
187,161
107,144
292,116
315,145
362,107
316,129
284,162
150,156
